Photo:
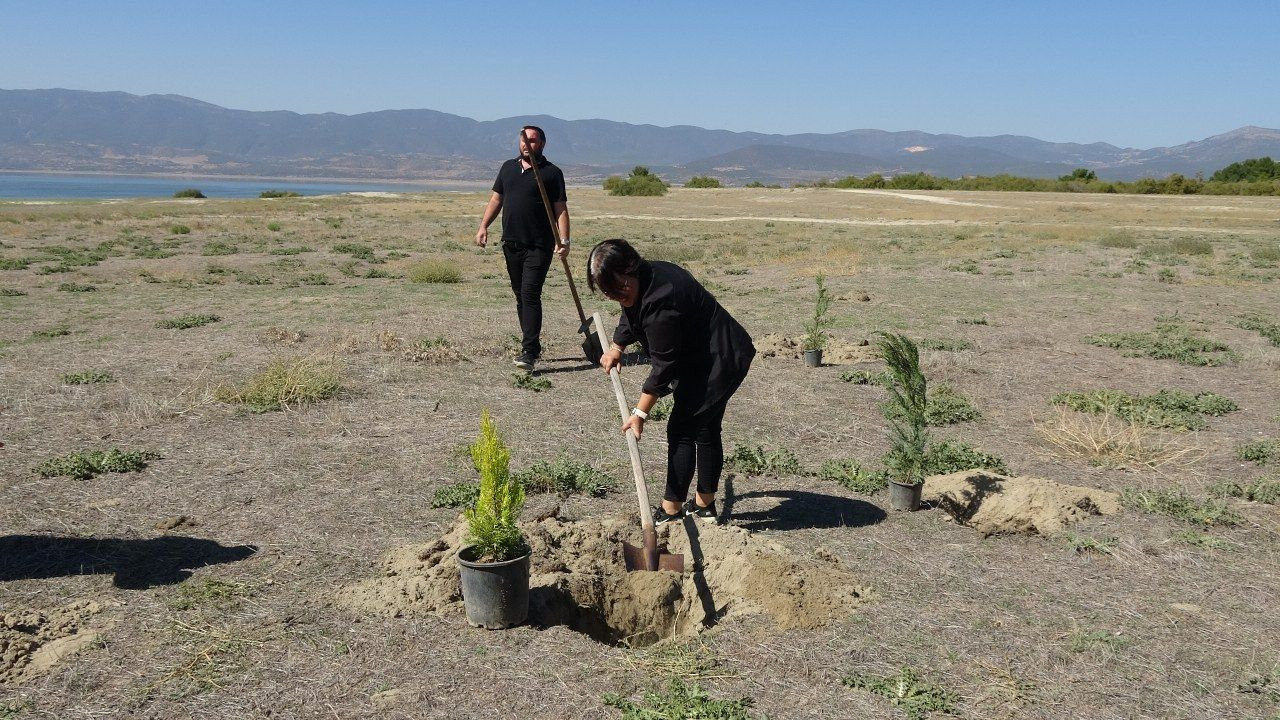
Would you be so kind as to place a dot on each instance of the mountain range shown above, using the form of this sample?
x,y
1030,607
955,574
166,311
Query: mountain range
x,y
81,131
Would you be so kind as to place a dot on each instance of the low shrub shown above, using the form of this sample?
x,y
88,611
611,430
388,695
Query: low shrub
x,y
1179,505
1262,452
850,475
77,287
461,494
279,194
529,381
951,456
1171,340
273,227
678,701
1263,490
87,377
758,461
640,182
703,181
87,464
179,230
284,383
183,322
1264,325
1169,408
1118,240
189,193
435,271
565,476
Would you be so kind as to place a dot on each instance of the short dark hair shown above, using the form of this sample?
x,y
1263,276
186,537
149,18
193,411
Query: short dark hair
x,y
541,134
608,262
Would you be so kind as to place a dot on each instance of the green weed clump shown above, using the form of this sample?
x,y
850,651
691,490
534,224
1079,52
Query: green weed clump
x,y
908,691
1263,490
179,230
284,383
951,456
87,377
758,461
492,530
1262,452
1169,408
679,701
1181,506
13,264
435,271
289,250
1203,540
87,464
77,287
212,593
565,476
10,292
184,322
529,381
461,494
640,182
1118,240
1179,246
314,279
1171,340
1084,544
866,377
356,250
273,226
51,333
851,475
218,247
947,406
1264,325
661,410
1099,639
189,193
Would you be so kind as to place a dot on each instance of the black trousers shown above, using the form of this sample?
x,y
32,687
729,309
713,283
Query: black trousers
x,y
527,268
694,445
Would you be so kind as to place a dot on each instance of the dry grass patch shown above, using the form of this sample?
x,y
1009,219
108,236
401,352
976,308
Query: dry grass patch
x,y
435,271
1107,441
284,383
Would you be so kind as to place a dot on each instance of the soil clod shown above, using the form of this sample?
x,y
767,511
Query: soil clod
x,y
996,504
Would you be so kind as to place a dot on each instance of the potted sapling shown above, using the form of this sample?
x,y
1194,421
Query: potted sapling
x,y
905,412
815,333
494,561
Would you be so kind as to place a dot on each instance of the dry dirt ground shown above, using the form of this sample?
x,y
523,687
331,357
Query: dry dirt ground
x,y
218,581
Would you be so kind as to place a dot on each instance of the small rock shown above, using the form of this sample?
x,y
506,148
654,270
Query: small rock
x,y
864,298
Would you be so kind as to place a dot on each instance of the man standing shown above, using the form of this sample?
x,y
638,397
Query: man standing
x,y
527,240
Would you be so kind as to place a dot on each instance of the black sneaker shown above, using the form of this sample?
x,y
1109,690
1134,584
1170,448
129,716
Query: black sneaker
x,y
705,514
661,517
525,362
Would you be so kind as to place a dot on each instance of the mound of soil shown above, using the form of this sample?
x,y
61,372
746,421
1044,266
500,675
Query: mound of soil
x,y
32,641
837,352
994,504
578,580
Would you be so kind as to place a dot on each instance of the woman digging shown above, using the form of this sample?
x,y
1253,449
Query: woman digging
x,y
697,352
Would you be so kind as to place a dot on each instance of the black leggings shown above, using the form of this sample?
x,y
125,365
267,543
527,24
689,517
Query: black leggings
x,y
693,443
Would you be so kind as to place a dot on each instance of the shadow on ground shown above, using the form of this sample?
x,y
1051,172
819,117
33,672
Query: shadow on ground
x,y
136,564
797,509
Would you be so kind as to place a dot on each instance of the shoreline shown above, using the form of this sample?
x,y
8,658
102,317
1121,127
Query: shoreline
x,y
478,184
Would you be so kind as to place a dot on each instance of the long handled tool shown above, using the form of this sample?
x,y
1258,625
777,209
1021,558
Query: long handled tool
x,y
591,346
649,557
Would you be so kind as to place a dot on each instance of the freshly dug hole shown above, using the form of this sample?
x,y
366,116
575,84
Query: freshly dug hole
x,y
578,580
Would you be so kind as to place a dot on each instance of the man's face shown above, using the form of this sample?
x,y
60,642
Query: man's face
x,y
533,142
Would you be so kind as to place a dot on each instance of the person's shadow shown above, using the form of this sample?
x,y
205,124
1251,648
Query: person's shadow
x,y
802,509
136,564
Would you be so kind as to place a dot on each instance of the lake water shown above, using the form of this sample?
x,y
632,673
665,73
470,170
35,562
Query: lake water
x,y
18,186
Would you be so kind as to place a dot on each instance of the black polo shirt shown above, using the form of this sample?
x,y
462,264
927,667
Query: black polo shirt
x,y
524,218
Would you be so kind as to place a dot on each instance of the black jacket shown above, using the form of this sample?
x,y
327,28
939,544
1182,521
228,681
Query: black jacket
x,y
696,349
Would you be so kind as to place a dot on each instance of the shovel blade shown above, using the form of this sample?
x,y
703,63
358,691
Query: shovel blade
x,y
591,348
636,558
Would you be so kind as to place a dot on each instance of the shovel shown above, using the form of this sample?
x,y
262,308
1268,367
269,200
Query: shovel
x,y
591,346
649,557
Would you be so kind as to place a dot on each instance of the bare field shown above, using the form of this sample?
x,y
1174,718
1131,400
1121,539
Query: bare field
x,y
206,583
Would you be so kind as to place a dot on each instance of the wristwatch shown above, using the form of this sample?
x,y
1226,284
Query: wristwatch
x,y
640,413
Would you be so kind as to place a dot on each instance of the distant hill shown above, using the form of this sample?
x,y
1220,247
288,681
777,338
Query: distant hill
x,y
71,130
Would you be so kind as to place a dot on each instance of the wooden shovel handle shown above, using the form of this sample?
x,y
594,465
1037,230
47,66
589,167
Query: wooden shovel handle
x,y
637,470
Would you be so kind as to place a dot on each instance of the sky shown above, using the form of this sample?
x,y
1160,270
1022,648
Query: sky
x,y
1131,73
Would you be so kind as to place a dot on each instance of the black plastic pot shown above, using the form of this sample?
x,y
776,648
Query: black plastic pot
x,y
495,595
905,497
813,358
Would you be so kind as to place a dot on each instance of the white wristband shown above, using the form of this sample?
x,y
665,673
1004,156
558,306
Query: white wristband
x,y
640,413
